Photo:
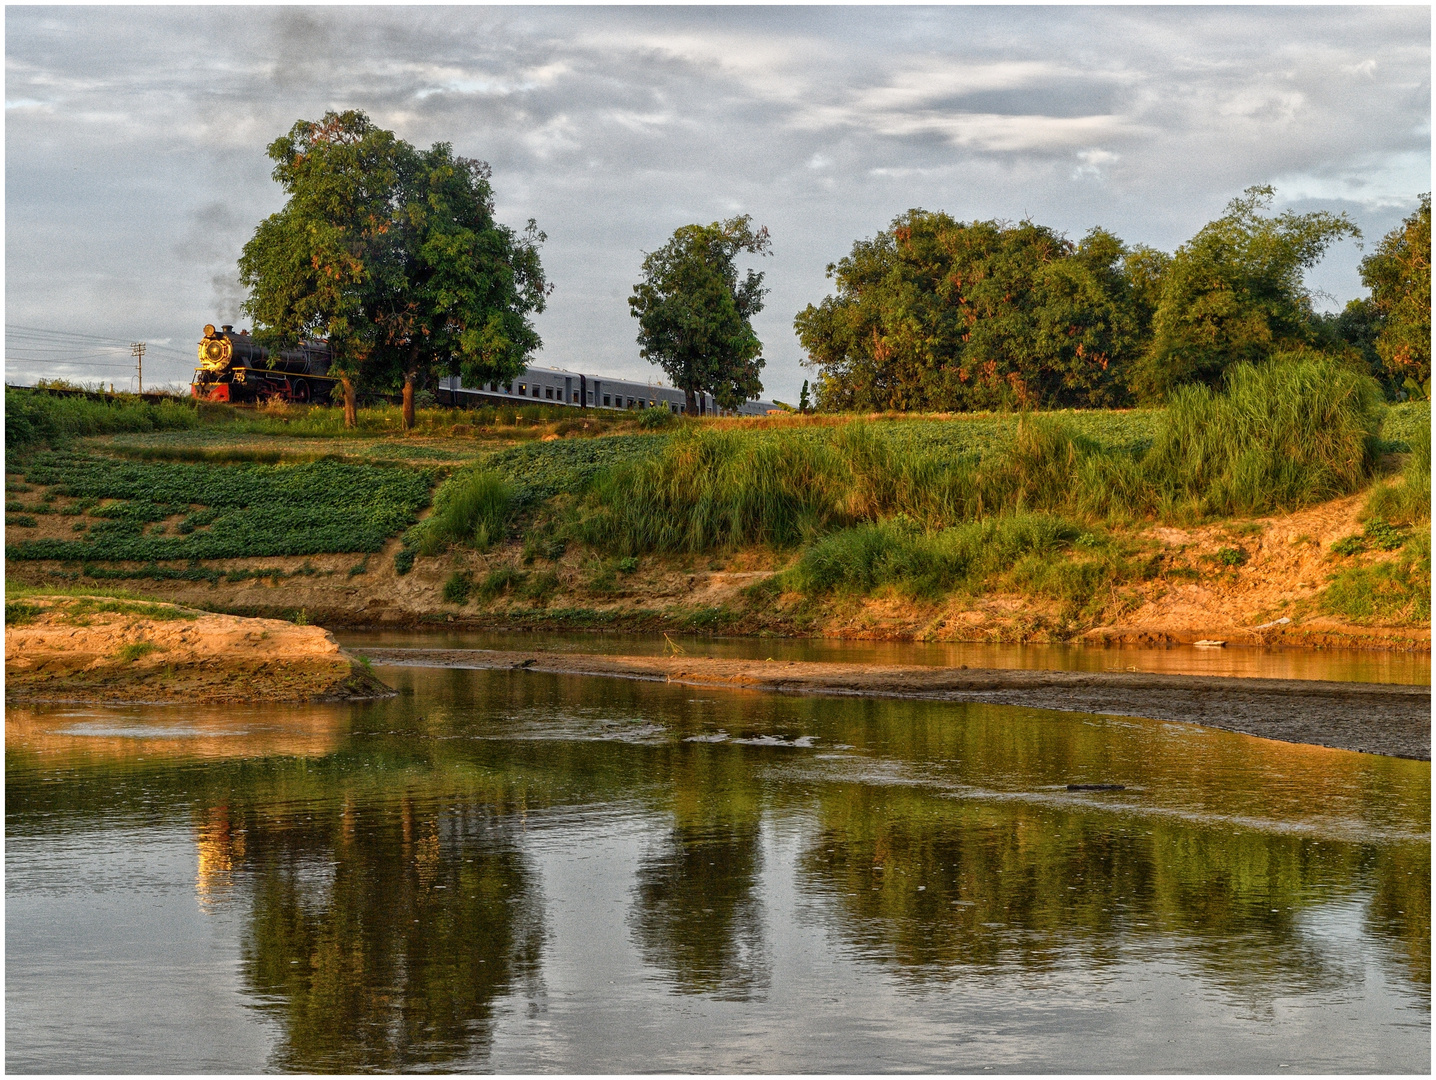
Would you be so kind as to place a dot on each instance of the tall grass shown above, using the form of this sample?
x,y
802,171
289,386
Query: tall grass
x,y
473,508
883,553
1408,501
710,489
1280,435
1283,434
34,418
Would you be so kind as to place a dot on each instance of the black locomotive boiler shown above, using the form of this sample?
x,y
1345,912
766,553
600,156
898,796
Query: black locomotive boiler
x,y
233,367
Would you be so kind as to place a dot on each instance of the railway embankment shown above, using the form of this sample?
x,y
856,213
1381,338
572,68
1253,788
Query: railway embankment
x,y
100,649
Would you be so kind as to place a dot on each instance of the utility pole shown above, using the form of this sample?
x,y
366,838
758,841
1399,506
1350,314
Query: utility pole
x,y
137,349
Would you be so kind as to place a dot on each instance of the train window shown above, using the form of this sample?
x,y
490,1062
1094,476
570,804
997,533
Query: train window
x,y
493,387
590,397
607,399
522,389
673,407
548,392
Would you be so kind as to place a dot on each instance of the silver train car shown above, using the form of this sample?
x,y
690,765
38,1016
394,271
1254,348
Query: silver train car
x,y
555,386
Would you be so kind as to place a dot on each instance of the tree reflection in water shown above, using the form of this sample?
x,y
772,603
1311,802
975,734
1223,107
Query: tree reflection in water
x,y
390,898
379,935
696,913
933,887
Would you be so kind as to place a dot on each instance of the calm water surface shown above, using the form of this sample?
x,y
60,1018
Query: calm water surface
x,y
524,872
1337,665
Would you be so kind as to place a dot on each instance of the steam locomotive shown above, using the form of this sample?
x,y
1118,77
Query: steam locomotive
x,y
232,367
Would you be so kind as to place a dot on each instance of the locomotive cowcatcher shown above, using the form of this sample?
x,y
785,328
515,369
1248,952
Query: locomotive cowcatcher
x,y
232,367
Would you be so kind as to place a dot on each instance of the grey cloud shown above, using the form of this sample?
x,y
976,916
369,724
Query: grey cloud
x,y
136,137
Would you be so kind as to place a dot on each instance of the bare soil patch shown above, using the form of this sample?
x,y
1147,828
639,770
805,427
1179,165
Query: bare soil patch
x,y
99,649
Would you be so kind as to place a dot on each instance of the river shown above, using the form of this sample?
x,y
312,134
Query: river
x,y
524,872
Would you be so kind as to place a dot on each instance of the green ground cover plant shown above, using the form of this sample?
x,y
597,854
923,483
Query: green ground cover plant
x,y
1394,589
231,511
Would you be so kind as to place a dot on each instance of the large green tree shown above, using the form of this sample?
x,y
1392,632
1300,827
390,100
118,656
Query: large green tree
x,y
393,255
1235,292
936,313
1398,273
471,283
694,313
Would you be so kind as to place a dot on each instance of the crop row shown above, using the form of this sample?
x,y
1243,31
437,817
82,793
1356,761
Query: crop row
x,y
231,511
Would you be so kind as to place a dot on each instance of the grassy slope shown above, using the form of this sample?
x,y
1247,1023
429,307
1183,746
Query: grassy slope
x,y
1074,571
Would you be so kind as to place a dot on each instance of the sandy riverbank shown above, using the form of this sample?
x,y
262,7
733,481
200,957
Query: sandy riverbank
x,y
104,650
1367,717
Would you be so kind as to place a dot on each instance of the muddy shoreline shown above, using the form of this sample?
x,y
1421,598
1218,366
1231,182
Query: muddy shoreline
x,y
1372,718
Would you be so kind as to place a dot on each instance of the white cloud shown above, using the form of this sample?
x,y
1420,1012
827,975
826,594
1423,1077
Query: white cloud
x,y
612,126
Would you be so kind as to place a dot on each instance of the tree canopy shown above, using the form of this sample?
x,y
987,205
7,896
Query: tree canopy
x,y
936,313
694,313
393,255
1398,273
1235,293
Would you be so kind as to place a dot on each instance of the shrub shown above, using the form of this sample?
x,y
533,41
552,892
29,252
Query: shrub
x,y
457,588
654,417
404,560
472,508
1231,556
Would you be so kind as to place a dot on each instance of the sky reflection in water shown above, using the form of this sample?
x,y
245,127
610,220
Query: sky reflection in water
x,y
526,872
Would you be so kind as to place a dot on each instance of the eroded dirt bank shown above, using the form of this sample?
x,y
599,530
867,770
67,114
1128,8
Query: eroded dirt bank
x,y
1272,598
97,649
1367,717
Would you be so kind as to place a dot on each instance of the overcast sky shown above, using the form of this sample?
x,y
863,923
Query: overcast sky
x,y
135,166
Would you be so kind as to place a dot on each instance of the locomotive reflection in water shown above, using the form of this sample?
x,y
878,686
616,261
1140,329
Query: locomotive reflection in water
x,y
233,367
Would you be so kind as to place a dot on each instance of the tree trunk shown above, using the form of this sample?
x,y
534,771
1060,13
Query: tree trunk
x,y
351,414
409,401
690,402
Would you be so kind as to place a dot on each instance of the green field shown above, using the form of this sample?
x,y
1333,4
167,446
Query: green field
x,y
128,508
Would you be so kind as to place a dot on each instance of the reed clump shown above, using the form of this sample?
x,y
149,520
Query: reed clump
x,y
1280,435
1287,433
473,508
713,489
927,563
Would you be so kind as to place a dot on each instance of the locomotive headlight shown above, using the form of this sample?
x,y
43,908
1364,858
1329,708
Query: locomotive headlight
x,y
214,352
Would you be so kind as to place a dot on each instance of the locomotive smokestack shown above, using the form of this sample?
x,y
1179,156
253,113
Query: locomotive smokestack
x,y
227,327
